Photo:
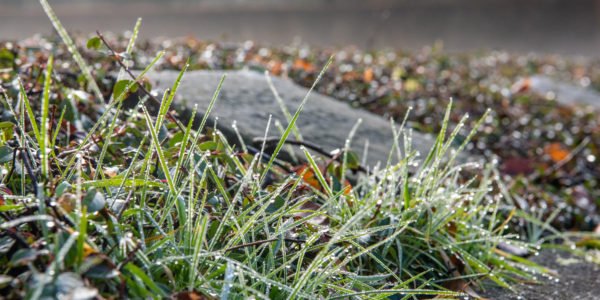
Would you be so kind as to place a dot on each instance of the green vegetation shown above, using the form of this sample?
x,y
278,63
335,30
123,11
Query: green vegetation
x,y
101,200
548,151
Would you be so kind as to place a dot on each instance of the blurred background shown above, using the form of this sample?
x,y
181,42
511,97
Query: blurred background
x,y
570,27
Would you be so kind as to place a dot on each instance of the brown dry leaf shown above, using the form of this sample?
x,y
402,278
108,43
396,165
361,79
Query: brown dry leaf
x,y
87,249
4,191
111,171
452,228
160,236
190,295
517,165
521,86
67,202
309,208
350,76
459,284
557,152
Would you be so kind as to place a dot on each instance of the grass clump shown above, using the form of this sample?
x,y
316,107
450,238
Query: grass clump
x,y
101,201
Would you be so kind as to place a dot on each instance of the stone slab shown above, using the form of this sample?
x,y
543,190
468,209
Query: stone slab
x,y
247,99
565,93
577,279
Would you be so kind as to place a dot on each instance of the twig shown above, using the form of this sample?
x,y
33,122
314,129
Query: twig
x,y
569,157
133,77
262,242
127,200
130,256
316,148
266,157
557,165
30,172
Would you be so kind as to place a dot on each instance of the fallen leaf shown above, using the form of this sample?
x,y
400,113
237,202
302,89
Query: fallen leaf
x,y
275,68
457,284
368,75
556,152
308,175
87,249
308,209
189,295
517,165
111,171
303,65
521,86
411,85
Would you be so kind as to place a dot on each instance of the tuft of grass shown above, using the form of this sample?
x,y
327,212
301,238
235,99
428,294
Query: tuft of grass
x,y
182,212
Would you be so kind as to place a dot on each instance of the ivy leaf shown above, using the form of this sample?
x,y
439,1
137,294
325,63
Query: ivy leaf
x,y
121,85
94,43
62,188
6,154
7,130
94,201
352,161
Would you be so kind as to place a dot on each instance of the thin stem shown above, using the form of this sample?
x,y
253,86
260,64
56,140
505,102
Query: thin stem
x,y
262,242
133,77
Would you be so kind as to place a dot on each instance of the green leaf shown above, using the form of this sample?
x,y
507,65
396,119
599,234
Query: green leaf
x,y
133,269
94,43
62,32
209,145
116,182
23,257
5,208
61,188
352,161
6,154
5,125
94,200
121,87
6,58
99,267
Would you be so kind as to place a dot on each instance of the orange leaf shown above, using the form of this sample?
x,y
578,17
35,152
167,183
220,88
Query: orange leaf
x,y
368,75
521,86
304,65
347,188
189,295
275,67
349,76
308,175
87,249
556,152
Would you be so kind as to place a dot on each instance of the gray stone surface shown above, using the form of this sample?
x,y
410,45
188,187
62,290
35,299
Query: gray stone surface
x,y
565,93
247,99
578,280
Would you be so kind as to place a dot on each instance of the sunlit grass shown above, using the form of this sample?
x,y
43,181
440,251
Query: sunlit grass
x,y
138,207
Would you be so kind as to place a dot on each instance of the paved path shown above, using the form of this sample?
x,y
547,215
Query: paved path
x,y
578,280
